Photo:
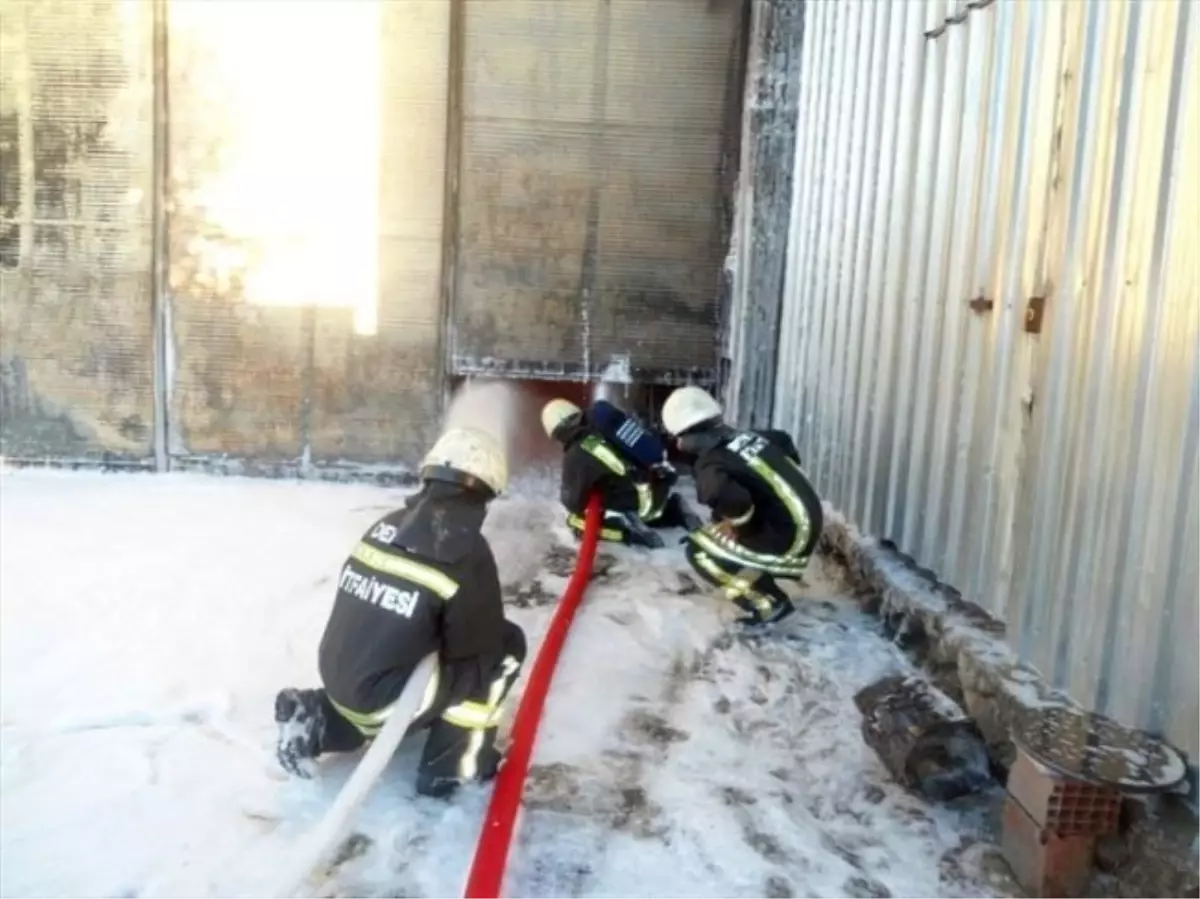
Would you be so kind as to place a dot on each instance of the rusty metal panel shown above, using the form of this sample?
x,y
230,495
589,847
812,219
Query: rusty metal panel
x,y
589,217
990,343
305,229
76,312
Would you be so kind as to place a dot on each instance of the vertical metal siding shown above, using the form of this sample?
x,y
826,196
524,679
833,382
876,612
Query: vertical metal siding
x,y
962,170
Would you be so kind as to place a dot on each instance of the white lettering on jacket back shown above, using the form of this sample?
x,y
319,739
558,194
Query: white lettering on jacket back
x,y
370,589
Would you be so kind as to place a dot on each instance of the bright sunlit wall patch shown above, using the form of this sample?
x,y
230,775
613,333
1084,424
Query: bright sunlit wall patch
x,y
299,174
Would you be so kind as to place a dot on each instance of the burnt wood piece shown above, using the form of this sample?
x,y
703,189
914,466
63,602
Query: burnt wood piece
x,y
923,738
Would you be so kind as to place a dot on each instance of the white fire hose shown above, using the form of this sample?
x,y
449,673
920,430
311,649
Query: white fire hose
x,y
318,846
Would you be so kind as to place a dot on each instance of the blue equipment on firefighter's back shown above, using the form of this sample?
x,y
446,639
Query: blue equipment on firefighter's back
x,y
629,437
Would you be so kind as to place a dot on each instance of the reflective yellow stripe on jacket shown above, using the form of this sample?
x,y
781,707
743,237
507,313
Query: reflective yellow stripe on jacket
x,y
790,499
607,457
787,563
401,566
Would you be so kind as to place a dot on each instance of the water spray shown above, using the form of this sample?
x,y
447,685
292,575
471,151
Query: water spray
x,y
496,407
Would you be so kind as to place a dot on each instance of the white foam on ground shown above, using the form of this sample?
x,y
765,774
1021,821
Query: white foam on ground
x,y
146,623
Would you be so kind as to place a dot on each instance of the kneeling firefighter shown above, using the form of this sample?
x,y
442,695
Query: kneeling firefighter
x,y
422,579
608,452
766,515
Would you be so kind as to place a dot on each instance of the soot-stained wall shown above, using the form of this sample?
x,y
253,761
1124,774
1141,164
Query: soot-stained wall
x,y
207,261
591,223
305,231
76,367
299,220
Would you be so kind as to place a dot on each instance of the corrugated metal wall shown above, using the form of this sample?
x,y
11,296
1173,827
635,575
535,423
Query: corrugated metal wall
x,y
989,343
590,227
76,141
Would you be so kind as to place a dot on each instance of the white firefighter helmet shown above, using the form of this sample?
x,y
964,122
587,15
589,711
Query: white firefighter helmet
x,y
467,455
687,407
555,412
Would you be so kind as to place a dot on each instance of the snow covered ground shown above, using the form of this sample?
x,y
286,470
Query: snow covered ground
x,y
147,622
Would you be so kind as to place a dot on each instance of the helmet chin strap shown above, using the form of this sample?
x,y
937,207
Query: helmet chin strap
x,y
566,425
447,475
703,437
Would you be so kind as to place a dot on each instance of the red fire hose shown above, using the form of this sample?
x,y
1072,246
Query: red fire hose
x,y
491,854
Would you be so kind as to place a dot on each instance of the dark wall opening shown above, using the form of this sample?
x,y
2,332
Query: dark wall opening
x,y
532,448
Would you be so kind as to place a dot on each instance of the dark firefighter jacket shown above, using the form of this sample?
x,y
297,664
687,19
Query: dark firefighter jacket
x,y
753,479
423,578
592,464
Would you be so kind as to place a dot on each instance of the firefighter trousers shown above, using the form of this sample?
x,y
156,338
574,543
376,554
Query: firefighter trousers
x,y
461,743
626,528
755,592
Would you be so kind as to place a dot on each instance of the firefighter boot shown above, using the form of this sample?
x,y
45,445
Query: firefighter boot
x,y
638,534
777,605
301,719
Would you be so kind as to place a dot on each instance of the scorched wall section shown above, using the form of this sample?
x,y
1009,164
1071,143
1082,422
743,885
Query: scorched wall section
x,y
305,229
76,323
590,233
230,235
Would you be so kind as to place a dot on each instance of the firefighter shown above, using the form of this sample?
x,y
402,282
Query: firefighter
x,y
608,452
422,579
766,516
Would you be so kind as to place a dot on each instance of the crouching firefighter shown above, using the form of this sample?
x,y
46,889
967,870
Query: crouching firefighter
x,y
766,515
607,452
423,579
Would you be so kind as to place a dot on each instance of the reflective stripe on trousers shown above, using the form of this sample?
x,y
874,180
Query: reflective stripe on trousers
x,y
577,524
735,586
722,547
647,510
471,715
479,717
370,723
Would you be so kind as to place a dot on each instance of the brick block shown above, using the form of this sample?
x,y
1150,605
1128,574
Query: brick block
x,y
1044,863
1064,806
